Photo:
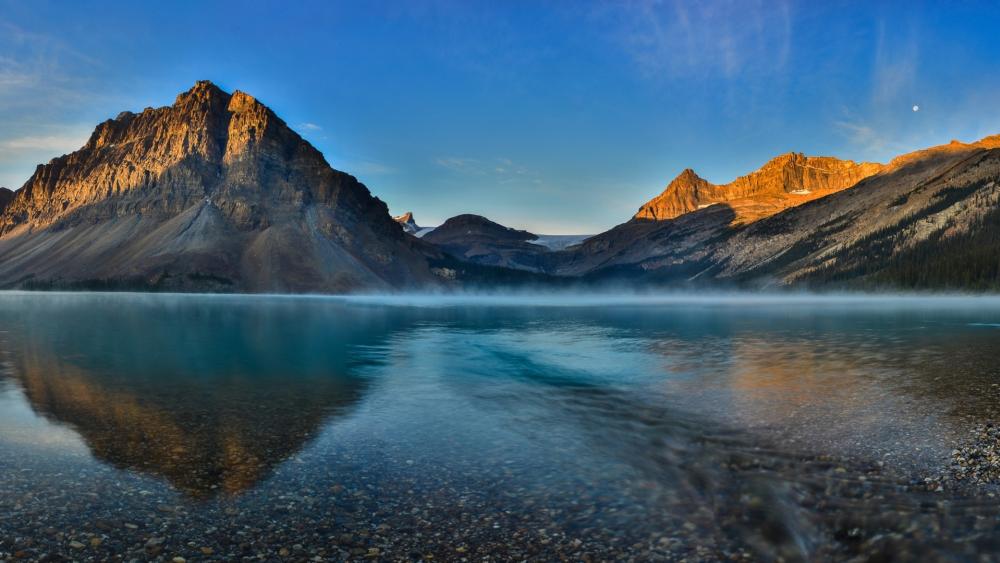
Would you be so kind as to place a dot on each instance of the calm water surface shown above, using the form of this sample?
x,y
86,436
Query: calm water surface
x,y
269,428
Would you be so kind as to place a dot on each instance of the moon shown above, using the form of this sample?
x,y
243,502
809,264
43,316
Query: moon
x,y
916,108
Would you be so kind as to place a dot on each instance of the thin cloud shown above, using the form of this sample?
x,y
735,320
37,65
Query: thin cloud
x,y
673,39
34,68
366,167
863,136
19,154
895,66
458,164
53,143
883,124
307,126
503,170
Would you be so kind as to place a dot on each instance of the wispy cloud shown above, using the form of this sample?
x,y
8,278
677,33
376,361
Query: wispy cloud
x,y
369,168
668,39
307,126
44,83
42,71
895,65
863,136
882,124
19,154
458,164
60,144
499,169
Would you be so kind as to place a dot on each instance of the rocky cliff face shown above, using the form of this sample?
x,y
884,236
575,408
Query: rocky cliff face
x,y
213,192
6,196
785,181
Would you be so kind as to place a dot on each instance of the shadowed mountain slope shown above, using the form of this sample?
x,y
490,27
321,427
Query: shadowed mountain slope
x,y
476,239
6,196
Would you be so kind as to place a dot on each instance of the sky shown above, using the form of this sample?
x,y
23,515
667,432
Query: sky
x,y
556,117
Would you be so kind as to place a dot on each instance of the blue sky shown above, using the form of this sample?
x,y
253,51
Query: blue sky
x,y
558,117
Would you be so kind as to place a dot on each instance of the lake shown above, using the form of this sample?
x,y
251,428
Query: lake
x,y
522,427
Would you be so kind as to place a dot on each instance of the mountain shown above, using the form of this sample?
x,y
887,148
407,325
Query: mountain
x,y
785,181
214,192
931,220
406,221
476,239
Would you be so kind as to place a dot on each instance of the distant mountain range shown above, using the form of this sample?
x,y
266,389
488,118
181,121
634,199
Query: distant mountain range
x,y
216,193
476,239
927,220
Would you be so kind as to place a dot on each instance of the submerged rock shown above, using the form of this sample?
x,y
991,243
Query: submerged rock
x,y
978,461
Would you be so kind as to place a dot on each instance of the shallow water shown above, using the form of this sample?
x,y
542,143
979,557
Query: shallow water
x,y
509,428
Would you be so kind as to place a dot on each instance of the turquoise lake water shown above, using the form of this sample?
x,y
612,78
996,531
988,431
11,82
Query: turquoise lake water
x,y
272,427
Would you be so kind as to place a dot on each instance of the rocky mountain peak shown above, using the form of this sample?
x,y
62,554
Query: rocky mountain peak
x,y
682,192
175,148
784,181
405,218
202,91
787,157
241,102
687,178
407,222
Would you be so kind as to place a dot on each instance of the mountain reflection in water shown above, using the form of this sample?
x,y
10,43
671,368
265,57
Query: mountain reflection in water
x,y
209,398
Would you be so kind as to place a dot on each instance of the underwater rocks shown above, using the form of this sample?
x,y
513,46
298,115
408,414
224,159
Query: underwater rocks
x,y
978,461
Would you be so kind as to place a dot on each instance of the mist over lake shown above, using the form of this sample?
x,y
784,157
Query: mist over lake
x,y
411,426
